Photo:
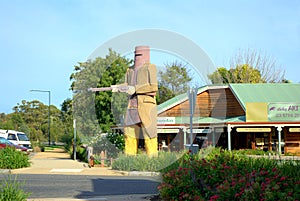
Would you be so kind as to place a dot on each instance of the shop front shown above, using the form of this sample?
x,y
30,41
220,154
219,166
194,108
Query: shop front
x,y
234,116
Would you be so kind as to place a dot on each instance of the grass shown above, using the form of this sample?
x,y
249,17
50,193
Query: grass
x,y
11,190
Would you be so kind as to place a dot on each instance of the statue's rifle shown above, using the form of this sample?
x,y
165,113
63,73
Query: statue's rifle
x,y
113,88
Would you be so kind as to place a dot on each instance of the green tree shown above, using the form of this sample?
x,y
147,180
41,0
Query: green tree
x,y
221,75
249,66
241,74
96,112
66,115
6,122
32,118
173,81
270,70
246,74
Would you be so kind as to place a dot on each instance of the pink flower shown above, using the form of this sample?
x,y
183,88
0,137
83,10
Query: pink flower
x,y
226,167
282,178
214,197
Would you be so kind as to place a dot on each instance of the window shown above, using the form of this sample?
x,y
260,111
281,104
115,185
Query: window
x,y
11,137
22,137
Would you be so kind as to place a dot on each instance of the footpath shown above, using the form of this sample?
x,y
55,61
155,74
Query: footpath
x,y
57,161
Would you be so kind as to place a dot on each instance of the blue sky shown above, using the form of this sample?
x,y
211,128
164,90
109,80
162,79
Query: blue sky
x,y
41,41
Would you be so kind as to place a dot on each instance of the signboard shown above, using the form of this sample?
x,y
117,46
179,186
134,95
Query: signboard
x,y
167,130
202,137
219,130
296,130
253,129
284,112
165,120
205,130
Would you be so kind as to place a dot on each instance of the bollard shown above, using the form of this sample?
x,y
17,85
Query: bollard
x,y
92,161
102,156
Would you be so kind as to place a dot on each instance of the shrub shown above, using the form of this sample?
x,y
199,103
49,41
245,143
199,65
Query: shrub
x,y
142,162
253,152
11,190
223,175
117,139
10,158
81,154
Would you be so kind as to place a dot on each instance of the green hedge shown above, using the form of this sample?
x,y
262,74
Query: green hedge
x,y
10,158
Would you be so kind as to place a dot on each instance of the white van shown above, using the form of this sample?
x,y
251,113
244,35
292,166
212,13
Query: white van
x,y
16,137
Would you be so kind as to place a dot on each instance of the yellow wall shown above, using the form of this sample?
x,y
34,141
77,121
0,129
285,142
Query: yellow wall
x,y
256,112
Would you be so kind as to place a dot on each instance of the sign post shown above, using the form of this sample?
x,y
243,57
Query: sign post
x,y
192,100
74,147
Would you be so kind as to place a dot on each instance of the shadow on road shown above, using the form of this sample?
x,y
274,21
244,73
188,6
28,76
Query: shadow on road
x,y
113,186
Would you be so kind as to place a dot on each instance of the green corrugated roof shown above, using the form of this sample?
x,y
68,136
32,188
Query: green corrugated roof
x,y
266,92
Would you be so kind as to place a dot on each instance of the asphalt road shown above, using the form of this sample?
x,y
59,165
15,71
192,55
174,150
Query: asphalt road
x,y
84,186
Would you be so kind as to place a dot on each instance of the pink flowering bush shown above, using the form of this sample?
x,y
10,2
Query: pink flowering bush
x,y
222,175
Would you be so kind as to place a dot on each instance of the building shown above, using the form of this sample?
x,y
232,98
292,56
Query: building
x,y
235,116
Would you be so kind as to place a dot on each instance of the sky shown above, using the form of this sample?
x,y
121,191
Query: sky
x,y
41,41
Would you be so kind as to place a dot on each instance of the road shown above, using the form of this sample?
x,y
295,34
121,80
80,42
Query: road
x,y
87,186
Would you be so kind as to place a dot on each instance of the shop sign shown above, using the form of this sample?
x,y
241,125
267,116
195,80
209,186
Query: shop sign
x,y
219,130
296,130
284,112
202,137
198,130
166,120
167,130
253,129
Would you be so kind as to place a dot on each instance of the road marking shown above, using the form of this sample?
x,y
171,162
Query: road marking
x,y
65,170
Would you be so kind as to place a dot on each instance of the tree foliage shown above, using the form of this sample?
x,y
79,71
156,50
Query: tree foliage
x,y
31,117
270,70
173,81
249,67
241,74
94,112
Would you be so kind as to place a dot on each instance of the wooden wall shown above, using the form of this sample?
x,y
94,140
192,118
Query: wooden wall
x,y
292,143
210,103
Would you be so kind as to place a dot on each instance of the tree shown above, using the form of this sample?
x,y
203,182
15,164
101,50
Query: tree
x,y
221,75
241,74
66,116
32,118
269,70
93,112
173,81
249,66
